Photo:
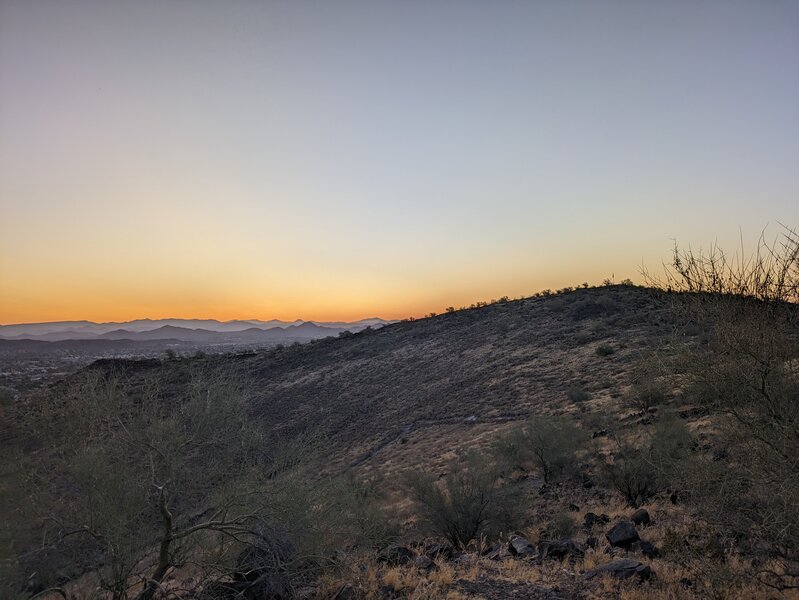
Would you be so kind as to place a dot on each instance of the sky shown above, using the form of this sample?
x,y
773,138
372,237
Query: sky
x,y
341,160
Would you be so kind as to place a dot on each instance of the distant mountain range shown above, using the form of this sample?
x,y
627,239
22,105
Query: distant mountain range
x,y
198,331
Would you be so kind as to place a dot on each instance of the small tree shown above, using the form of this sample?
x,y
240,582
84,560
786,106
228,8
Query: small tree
x,y
458,506
747,376
131,483
549,443
632,475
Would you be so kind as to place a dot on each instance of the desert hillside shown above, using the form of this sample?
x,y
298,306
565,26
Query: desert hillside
x,y
365,456
444,379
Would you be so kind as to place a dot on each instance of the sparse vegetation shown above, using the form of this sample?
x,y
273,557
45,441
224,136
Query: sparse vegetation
x,y
605,350
431,389
746,375
549,444
578,394
459,506
631,474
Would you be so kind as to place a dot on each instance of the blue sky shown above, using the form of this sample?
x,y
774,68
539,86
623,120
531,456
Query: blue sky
x,y
345,159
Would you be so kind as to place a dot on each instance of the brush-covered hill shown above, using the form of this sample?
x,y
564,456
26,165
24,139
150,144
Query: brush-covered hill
x,y
458,373
388,411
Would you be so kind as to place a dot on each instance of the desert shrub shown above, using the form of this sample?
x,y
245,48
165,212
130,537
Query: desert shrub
x,y
746,374
562,525
134,482
578,394
631,475
650,382
662,461
591,308
351,510
605,350
549,443
460,505
670,449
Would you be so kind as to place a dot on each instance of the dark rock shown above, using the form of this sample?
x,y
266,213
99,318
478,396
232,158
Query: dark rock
x,y
488,588
592,542
574,508
641,517
623,534
599,433
646,548
591,519
386,592
496,551
560,549
424,563
259,572
587,481
442,551
623,568
519,546
395,556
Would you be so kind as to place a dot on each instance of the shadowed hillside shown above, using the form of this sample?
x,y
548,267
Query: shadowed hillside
x,y
463,371
582,406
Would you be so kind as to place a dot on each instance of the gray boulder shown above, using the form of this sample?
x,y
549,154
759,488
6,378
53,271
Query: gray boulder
x,y
640,517
591,519
519,546
623,568
623,535
560,549
646,548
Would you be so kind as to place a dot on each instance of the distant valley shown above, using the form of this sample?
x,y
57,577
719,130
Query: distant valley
x,y
35,354
203,331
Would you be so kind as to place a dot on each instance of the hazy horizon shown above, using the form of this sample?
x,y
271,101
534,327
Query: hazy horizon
x,y
340,160
252,319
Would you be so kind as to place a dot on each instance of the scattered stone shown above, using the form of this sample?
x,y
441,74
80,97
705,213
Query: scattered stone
x,y
519,546
646,548
560,549
496,551
623,534
259,572
395,556
641,517
591,519
623,568
488,588
386,592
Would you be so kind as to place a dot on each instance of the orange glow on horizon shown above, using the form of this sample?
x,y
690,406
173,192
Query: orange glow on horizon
x,y
43,307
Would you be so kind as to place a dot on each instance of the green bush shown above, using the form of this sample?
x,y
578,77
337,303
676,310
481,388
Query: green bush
x,y
632,476
578,394
461,504
745,373
605,350
548,443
